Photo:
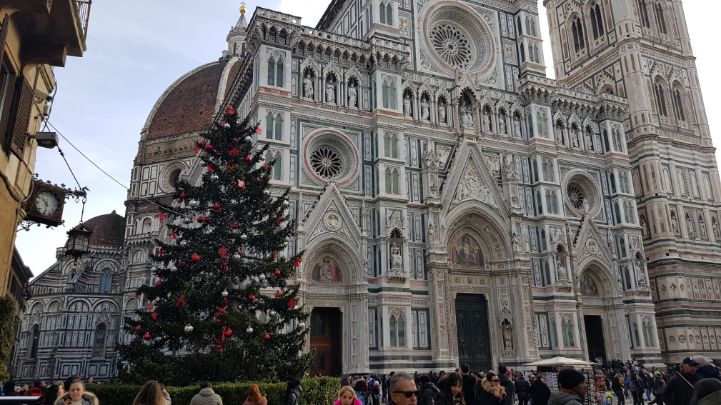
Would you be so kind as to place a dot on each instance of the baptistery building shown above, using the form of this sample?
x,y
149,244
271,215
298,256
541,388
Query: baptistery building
x,y
455,205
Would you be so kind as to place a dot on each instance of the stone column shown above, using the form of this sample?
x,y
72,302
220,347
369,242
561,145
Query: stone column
x,y
438,279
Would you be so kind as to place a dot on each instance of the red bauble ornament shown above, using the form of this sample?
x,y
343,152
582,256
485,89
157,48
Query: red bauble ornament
x,y
223,251
211,169
173,235
161,216
181,301
138,328
241,184
228,332
208,147
277,272
278,294
158,283
161,252
248,158
183,195
251,297
297,262
147,336
259,130
150,306
181,265
234,226
195,258
154,316
266,336
291,303
196,149
278,219
234,151
230,110
216,206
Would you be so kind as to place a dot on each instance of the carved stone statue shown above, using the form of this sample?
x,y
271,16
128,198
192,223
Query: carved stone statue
x,y
511,169
574,138
467,117
702,228
352,96
507,332
561,271
308,87
396,258
425,110
674,224
330,92
486,121
589,141
516,127
516,243
502,125
407,112
442,113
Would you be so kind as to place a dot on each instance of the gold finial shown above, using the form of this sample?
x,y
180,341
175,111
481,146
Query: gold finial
x,y
242,8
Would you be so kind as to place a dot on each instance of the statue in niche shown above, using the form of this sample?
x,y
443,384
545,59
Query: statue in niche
x,y
502,124
396,258
511,168
574,137
702,228
407,112
352,95
507,333
516,243
517,126
486,122
425,110
589,141
467,117
330,92
308,87
716,230
442,113
689,228
674,224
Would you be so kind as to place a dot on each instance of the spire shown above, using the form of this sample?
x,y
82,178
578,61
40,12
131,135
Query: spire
x,y
236,36
242,24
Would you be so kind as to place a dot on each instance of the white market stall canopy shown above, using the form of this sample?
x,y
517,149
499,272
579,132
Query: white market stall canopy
x,y
560,362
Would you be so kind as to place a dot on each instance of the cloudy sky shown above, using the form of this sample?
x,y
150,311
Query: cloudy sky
x,y
137,48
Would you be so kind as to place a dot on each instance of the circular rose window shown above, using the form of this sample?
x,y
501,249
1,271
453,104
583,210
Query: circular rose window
x,y
331,156
576,196
452,45
582,194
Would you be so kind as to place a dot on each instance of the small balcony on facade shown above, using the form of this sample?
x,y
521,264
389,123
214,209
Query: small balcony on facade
x,y
53,29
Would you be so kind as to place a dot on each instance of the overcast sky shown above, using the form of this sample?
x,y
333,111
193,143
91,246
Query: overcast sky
x,y
137,48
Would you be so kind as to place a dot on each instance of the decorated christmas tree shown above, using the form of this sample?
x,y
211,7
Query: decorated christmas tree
x,y
219,307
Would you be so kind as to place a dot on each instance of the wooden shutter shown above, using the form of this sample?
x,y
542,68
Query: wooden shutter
x,y
22,107
4,36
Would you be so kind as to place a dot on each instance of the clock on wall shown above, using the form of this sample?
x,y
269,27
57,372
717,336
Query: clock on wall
x,y
46,203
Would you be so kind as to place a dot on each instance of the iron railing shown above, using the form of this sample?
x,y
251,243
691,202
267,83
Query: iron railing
x,y
84,13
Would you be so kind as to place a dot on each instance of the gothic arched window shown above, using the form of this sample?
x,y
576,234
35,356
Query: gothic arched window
x,y
596,21
660,19
643,13
660,94
390,94
278,131
271,71
386,13
99,343
106,282
269,125
279,73
569,339
392,181
35,341
648,334
398,330
678,103
579,41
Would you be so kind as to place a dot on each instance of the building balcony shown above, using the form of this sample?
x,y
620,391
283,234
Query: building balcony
x,y
55,28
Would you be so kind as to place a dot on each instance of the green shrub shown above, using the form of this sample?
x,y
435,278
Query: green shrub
x,y
8,320
316,391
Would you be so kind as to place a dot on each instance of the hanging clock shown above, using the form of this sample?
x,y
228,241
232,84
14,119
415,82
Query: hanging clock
x,y
46,203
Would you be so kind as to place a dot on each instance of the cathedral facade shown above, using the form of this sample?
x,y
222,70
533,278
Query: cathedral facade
x,y
454,204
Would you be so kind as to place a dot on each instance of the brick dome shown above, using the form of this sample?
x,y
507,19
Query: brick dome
x,y
189,104
108,229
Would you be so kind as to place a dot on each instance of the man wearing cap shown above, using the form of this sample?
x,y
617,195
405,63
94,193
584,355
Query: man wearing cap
x,y
680,387
572,388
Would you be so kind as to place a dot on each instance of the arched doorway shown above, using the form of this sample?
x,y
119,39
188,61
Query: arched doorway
x,y
598,318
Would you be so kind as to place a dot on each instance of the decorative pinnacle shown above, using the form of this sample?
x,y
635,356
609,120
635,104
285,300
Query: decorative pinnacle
x,y
242,8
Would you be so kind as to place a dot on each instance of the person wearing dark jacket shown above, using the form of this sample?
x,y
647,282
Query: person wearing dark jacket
x,y
617,388
657,387
507,384
635,385
572,387
428,391
680,387
523,390
540,392
450,390
491,392
469,385
707,392
292,392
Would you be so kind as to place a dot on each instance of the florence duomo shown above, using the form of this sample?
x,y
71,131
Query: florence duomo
x,y
453,204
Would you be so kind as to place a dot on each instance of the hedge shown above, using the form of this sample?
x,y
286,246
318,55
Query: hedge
x,y
316,391
8,320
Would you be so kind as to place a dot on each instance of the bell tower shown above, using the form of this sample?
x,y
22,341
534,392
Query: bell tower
x,y
641,50
237,35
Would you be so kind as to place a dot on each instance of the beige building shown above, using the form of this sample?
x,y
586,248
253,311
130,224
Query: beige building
x,y
641,50
34,37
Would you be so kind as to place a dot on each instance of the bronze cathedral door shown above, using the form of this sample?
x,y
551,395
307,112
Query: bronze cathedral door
x,y
474,344
325,341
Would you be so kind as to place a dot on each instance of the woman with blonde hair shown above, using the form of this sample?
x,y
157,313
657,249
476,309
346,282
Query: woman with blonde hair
x,y
255,397
76,394
150,394
347,396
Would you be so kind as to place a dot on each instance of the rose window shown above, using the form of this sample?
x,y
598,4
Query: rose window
x,y
576,195
326,162
452,45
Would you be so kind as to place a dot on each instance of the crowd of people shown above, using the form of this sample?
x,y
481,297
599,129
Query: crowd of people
x,y
696,381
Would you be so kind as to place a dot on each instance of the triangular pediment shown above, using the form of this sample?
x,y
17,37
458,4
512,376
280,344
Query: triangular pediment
x,y
331,216
591,245
470,179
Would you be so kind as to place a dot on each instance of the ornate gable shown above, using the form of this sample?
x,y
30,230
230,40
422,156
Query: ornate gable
x,y
590,245
331,215
471,179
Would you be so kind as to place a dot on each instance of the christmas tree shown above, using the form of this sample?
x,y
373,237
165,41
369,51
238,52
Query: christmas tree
x,y
220,308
